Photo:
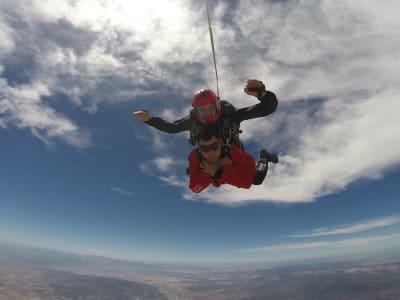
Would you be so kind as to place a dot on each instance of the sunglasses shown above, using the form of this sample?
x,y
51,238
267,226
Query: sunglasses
x,y
214,146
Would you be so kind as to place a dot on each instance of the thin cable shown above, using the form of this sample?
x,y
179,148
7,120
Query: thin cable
x,y
212,46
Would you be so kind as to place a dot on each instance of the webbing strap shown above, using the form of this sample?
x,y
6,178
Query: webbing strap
x,y
212,46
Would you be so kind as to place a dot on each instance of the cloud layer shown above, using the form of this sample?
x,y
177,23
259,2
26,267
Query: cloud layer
x,y
325,244
333,66
354,228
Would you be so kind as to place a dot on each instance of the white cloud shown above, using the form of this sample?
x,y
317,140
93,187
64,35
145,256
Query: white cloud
x,y
353,228
121,190
324,244
7,43
23,108
95,52
175,181
163,164
318,48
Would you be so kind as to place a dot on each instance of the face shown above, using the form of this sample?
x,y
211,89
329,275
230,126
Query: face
x,y
207,110
214,149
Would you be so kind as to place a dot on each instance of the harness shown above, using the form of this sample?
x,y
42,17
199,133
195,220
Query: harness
x,y
228,130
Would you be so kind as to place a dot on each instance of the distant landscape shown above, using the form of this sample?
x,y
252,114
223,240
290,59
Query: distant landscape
x,y
33,273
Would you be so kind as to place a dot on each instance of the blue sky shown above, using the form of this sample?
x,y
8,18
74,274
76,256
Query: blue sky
x,y
79,173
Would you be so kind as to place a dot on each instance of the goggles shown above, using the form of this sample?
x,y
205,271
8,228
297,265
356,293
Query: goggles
x,y
208,110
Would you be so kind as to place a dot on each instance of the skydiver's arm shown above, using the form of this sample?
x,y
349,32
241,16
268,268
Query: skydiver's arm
x,y
170,127
268,104
198,180
242,170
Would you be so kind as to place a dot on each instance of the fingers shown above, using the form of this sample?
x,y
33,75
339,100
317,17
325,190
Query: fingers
x,y
254,87
226,161
248,91
254,83
250,84
207,168
141,115
204,168
250,81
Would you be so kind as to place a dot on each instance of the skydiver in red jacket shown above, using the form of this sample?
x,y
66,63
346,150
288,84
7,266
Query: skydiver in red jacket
x,y
214,163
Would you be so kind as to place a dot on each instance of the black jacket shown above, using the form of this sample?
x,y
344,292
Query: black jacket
x,y
268,104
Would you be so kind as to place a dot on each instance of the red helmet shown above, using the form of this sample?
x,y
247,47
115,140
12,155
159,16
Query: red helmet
x,y
213,112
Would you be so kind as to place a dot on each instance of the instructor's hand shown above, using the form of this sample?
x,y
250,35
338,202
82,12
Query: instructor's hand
x,y
255,88
141,115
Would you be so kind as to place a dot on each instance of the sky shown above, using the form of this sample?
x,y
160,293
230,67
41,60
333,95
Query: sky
x,y
79,173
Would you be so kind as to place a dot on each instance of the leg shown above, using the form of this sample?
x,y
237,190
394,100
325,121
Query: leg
x,y
262,166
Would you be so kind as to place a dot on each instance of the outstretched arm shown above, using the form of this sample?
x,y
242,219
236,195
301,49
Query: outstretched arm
x,y
162,125
268,102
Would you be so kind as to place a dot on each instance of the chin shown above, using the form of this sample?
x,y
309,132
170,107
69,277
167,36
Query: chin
x,y
212,160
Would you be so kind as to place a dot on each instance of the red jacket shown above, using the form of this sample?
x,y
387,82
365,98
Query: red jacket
x,y
241,173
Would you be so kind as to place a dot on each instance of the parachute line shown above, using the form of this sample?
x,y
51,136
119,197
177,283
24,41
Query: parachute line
x,y
212,45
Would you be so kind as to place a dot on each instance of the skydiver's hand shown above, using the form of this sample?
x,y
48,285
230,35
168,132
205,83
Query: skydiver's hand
x,y
255,88
208,168
141,115
222,162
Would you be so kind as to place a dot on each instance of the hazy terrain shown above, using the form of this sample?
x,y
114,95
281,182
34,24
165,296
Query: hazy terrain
x,y
32,273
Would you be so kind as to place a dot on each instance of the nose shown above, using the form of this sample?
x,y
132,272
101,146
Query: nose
x,y
207,154
208,112
210,155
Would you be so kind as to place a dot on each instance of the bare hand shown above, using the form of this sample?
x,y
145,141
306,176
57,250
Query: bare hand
x,y
208,168
222,162
253,84
141,115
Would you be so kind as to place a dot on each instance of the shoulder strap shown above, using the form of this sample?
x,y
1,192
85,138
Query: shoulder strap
x,y
227,107
193,131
